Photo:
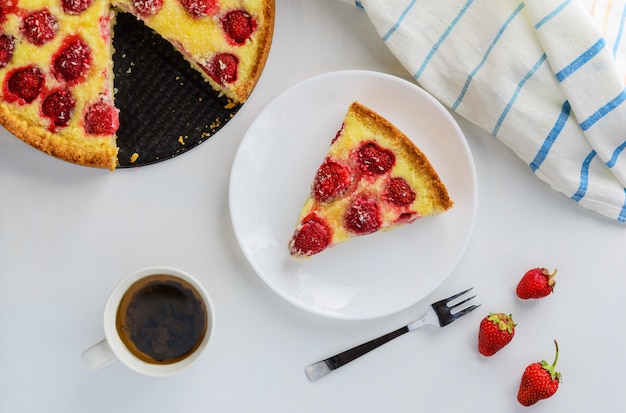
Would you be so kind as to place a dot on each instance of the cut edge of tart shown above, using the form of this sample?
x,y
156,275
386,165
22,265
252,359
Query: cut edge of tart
x,y
373,178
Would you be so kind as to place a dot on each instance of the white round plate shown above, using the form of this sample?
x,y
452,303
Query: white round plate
x,y
373,275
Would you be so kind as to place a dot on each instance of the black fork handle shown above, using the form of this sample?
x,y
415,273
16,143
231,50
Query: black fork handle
x,y
347,356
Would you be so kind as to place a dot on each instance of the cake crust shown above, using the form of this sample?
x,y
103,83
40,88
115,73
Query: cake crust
x,y
407,149
265,36
101,152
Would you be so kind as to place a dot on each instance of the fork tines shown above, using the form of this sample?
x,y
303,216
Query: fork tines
x,y
442,307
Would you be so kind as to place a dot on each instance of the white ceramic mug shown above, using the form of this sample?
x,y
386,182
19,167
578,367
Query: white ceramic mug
x,y
113,346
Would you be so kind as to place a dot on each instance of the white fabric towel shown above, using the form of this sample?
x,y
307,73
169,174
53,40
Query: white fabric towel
x,y
545,77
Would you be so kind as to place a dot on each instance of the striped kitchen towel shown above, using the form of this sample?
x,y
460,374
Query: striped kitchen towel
x,y
545,77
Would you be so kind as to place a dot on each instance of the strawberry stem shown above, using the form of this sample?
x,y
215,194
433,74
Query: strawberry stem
x,y
556,356
551,369
551,281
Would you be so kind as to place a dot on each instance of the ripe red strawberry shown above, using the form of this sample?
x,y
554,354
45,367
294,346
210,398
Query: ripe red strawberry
x,y
539,381
496,331
536,283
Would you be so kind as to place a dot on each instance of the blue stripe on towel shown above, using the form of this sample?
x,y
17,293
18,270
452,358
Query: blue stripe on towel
x,y
622,214
581,60
611,162
442,38
584,177
520,85
484,59
551,138
603,111
399,22
620,31
552,14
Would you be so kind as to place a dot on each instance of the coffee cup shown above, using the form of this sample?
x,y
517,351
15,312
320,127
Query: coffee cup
x,y
157,321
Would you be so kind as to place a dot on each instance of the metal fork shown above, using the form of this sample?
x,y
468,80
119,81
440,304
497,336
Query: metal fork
x,y
439,314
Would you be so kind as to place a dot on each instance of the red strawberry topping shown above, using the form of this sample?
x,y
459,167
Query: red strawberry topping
x,y
223,68
363,216
7,7
40,27
58,107
76,6
7,44
147,8
238,26
24,84
312,237
375,160
398,192
331,180
407,217
200,8
72,60
338,133
101,118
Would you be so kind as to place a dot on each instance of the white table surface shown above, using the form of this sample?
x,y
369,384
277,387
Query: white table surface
x,y
68,234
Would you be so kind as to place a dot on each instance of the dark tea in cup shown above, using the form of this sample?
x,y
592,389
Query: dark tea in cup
x,y
161,319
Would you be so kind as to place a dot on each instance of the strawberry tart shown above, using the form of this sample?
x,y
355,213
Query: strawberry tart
x,y
372,179
56,66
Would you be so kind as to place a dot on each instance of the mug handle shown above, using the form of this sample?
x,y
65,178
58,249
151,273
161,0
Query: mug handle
x,y
98,355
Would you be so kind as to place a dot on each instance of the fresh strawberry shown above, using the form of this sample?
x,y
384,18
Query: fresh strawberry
x,y
536,283
496,331
539,381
